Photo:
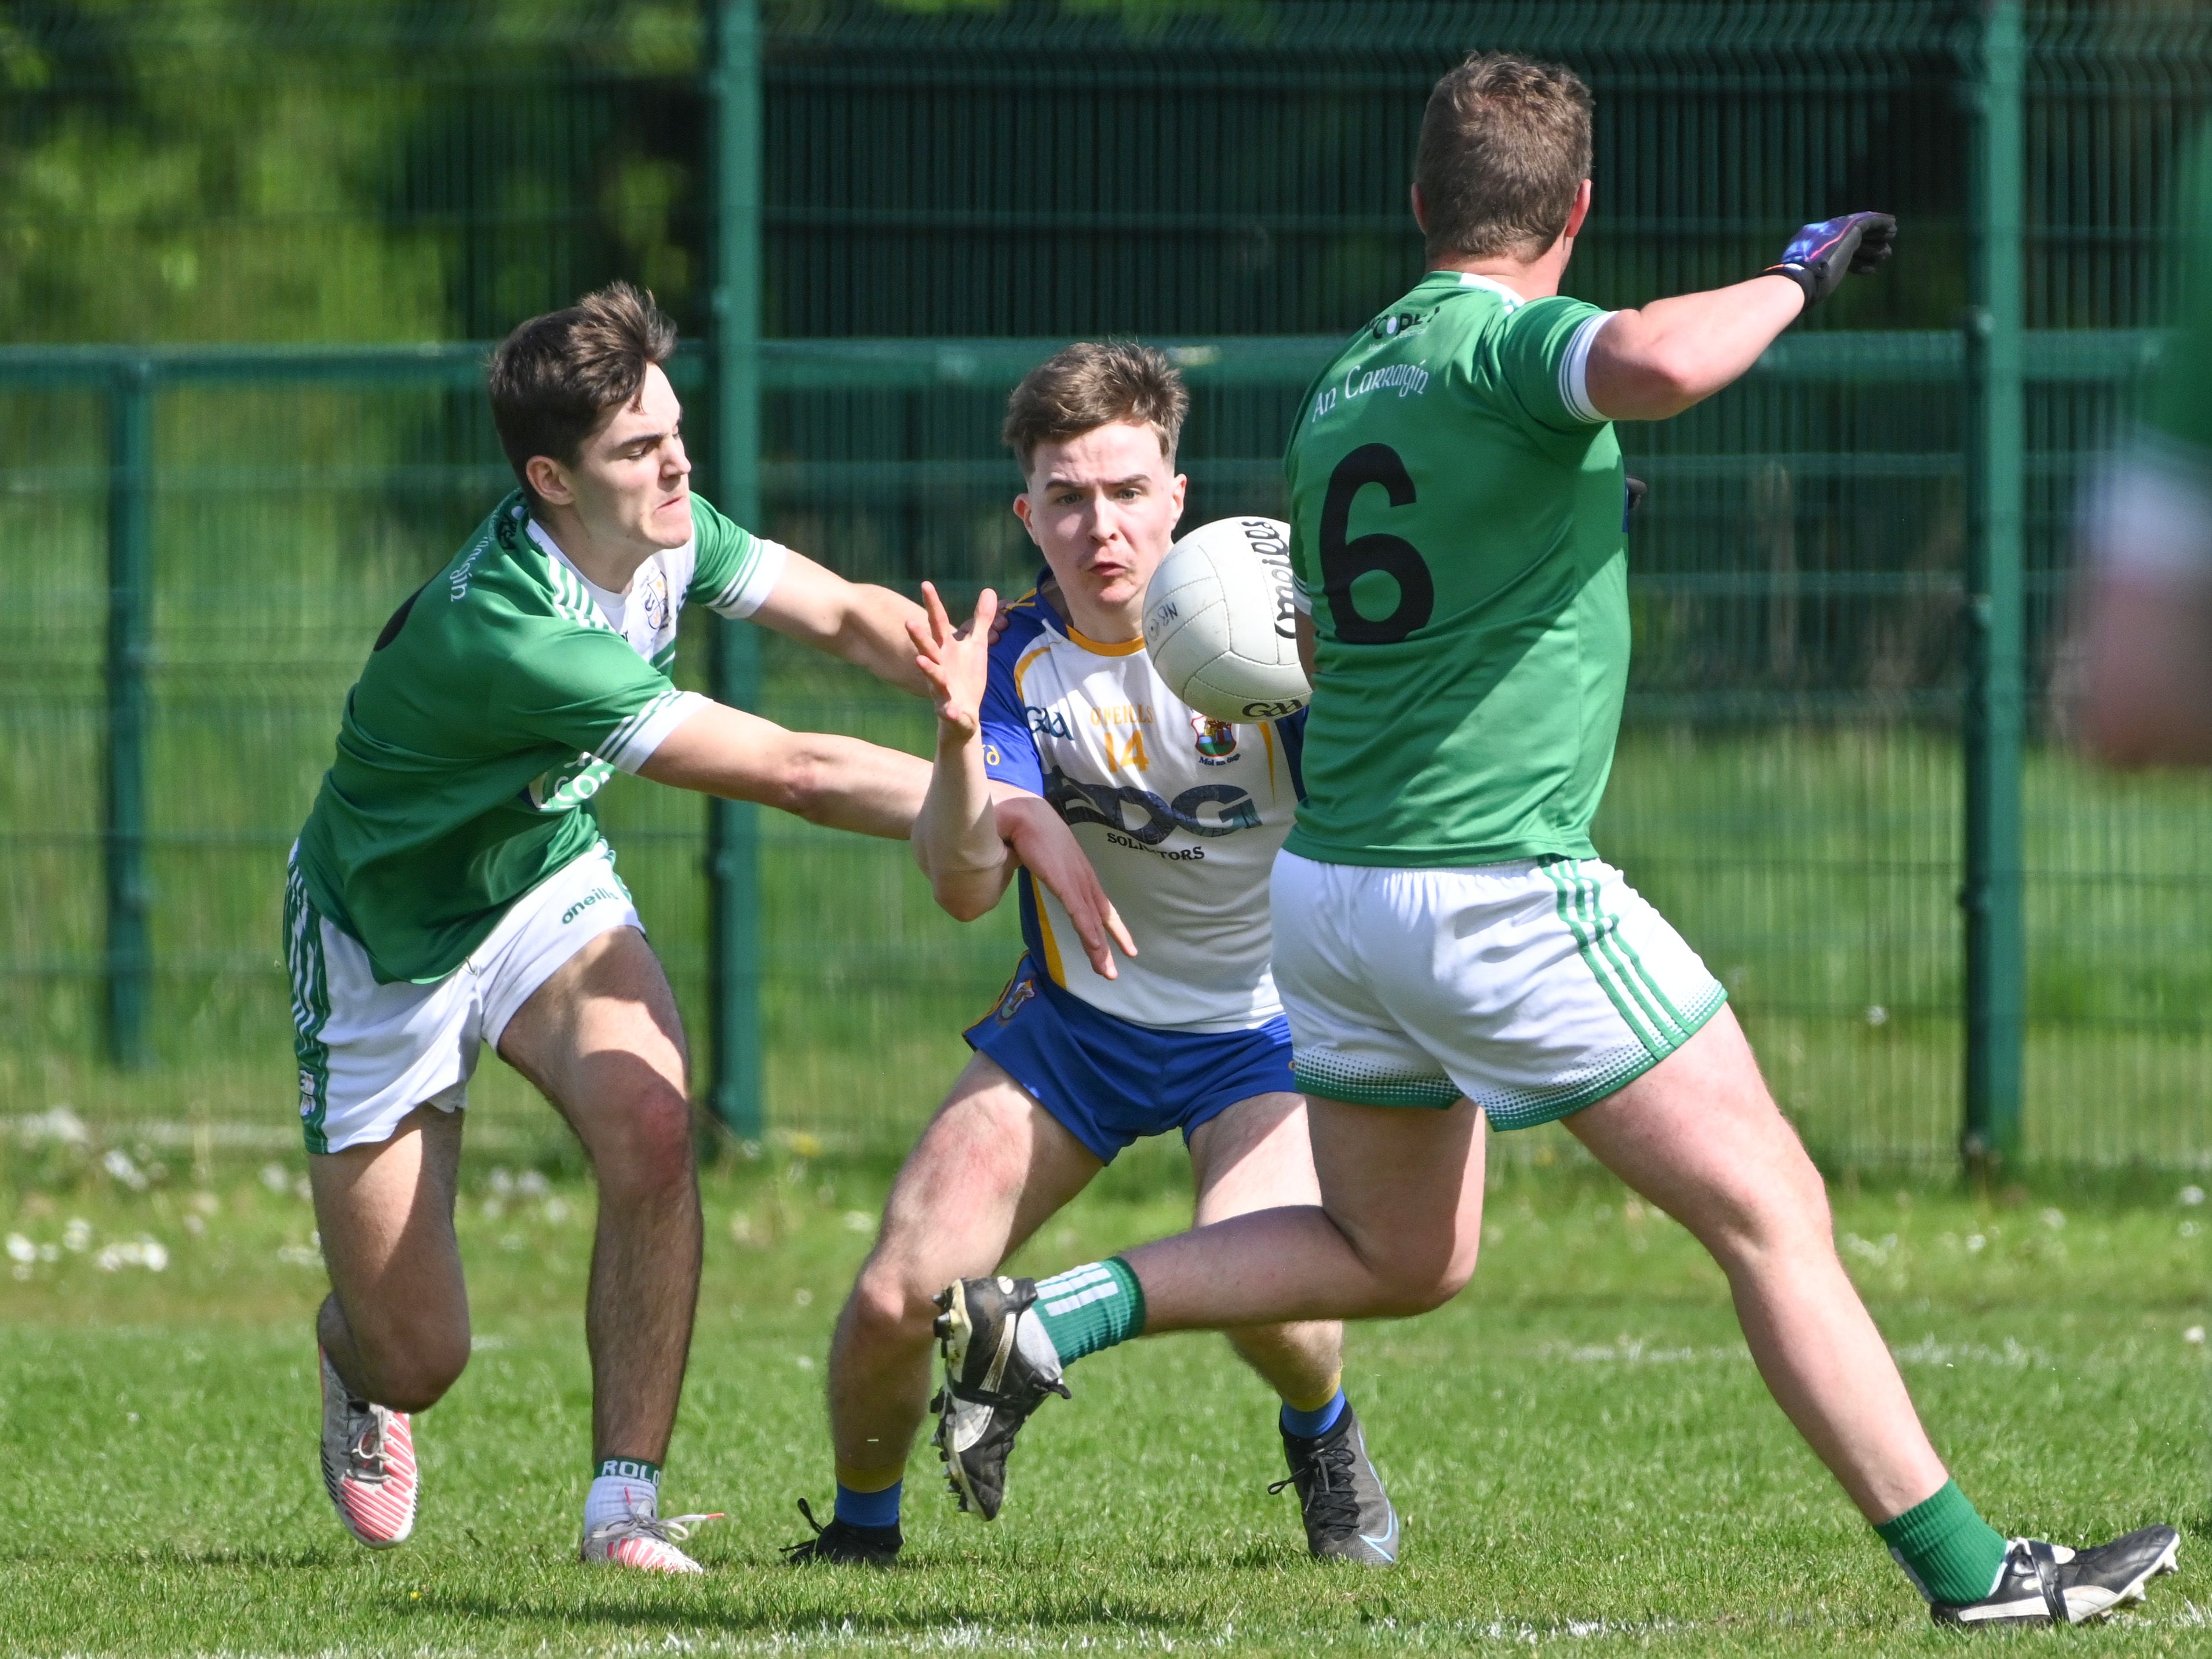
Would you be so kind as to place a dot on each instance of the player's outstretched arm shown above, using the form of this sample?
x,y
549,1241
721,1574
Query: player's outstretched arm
x,y
956,836
819,776
864,624
972,832
1654,362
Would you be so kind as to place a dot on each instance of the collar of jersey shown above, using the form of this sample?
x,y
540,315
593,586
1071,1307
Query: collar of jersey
x,y
1490,284
1055,612
1100,648
551,549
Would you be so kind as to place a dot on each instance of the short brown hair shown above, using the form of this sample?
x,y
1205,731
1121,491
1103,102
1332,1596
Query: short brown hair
x,y
1082,387
1505,143
557,378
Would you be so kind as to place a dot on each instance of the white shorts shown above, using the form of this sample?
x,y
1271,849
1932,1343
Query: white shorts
x,y
370,1054
1533,989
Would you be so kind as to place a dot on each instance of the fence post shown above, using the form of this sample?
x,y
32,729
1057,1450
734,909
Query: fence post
x,y
1996,961
127,958
733,827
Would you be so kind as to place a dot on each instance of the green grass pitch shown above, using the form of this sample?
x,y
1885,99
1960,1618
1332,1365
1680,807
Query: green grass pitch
x,y
1582,1452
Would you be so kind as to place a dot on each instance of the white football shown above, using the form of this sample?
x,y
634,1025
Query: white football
x,y
1220,625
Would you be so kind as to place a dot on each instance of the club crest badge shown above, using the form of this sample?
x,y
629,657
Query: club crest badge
x,y
1217,740
1018,992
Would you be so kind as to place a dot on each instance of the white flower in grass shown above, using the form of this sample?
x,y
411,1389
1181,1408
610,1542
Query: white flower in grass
x,y
140,1252
2194,1334
532,1184
118,1164
76,1237
275,1177
2192,1196
21,1250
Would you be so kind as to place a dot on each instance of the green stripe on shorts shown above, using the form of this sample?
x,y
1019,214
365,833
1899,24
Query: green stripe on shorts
x,y
1570,887
311,1008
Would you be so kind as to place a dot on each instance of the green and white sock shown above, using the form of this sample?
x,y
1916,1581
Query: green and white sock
x,y
621,1487
1946,1547
1089,1308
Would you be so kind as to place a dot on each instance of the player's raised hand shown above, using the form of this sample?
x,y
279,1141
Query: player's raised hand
x,y
1048,849
1820,256
955,661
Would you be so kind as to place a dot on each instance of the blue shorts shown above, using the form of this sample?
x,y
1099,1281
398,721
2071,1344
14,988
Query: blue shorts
x,y
1109,1082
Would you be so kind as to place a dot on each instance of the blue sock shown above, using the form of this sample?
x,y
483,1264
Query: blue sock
x,y
1307,1425
869,1509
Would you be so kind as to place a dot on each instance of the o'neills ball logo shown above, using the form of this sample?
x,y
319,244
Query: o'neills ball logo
x,y
1217,740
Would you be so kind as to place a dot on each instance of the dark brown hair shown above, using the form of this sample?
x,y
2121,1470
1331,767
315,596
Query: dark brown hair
x,y
559,378
1505,143
1082,387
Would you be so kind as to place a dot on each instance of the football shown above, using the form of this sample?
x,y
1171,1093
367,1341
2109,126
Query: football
x,y
1220,624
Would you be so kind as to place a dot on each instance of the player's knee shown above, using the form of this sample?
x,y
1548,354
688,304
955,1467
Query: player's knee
x,y
1419,1276
888,1309
411,1371
649,1151
1782,1217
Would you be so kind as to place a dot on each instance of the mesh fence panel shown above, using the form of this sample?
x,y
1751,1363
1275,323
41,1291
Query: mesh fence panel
x,y
949,194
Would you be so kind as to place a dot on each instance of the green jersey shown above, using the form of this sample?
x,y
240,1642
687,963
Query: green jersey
x,y
497,701
1456,511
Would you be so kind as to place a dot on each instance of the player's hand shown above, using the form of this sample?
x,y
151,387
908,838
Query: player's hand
x,y
1048,849
955,661
1820,256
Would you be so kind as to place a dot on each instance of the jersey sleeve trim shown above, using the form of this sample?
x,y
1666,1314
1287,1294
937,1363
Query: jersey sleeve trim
x,y
748,589
1009,751
1574,370
634,742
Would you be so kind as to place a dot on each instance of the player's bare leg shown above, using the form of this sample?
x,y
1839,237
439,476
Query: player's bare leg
x,y
1700,1137
601,1039
1257,1156
1396,1232
990,1168
394,1330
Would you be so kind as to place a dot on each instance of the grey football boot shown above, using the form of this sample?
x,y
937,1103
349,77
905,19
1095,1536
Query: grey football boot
x,y
999,1367
2049,1584
1347,1513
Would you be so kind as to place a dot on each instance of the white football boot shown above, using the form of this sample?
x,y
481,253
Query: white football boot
x,y
369,1464
647,1543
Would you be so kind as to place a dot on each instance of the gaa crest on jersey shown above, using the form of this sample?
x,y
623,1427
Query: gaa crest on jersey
x,y
1217,740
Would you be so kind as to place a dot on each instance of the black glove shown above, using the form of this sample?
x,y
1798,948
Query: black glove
x,y
1819,255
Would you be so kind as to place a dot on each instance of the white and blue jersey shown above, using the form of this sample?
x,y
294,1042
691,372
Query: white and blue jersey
x,y
1181,817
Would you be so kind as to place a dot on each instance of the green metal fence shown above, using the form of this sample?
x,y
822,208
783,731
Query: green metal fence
x,y
1837,774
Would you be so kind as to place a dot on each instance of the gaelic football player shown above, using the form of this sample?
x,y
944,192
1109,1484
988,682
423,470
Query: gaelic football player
x,y
451,888
1450,949
2144,696
1182,816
